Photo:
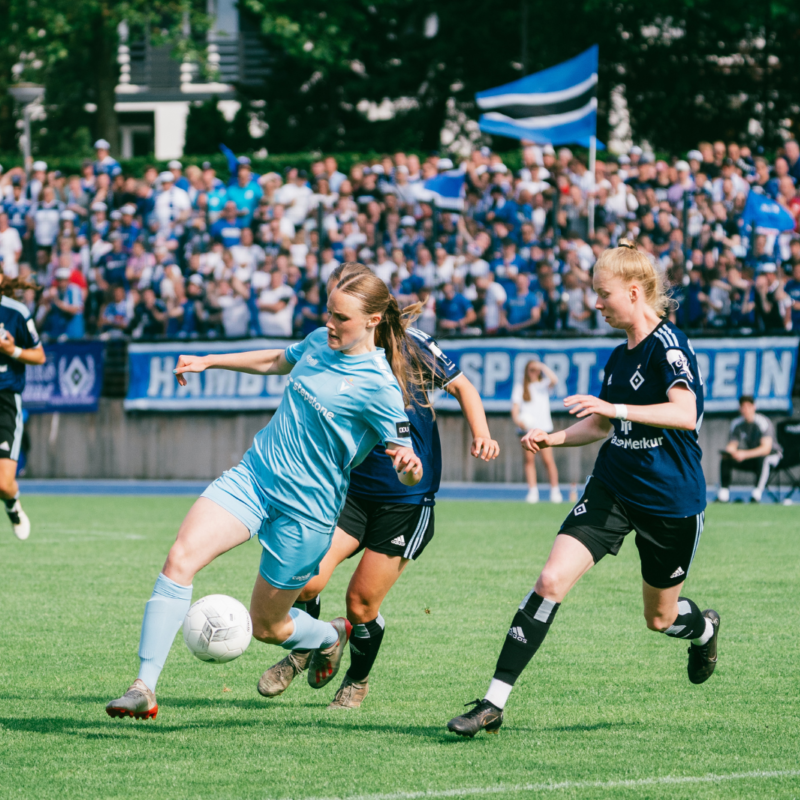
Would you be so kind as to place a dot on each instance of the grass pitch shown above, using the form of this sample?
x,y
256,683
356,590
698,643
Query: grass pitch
x,y
604,710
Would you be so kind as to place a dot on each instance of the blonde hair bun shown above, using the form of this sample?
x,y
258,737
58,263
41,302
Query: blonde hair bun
x,y
630,265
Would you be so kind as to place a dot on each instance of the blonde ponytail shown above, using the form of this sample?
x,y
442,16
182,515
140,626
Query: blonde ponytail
x,y
407,366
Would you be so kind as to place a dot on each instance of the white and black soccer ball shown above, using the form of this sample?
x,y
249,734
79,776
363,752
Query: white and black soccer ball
x,y
217,628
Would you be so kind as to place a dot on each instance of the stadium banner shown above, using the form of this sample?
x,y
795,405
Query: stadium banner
x,y
70,380
762,366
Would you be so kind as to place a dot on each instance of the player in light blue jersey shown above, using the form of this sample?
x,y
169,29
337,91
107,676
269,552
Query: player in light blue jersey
x,y
348,388
390,522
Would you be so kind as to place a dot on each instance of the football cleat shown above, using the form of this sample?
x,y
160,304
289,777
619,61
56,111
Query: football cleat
x,y
325,662
351,693
703,657
19,521
138,702
485,716
277,678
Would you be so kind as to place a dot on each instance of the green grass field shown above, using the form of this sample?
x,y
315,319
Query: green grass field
x,y
605,702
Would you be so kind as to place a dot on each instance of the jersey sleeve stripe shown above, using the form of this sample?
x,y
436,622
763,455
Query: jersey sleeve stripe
x,y
17,306
684,382
671,336
661,339
451,379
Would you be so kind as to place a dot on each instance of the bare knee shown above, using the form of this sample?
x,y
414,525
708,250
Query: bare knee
x,y
360,609
267,632
178,566
659,622
8,487
311,589
551,585
307,594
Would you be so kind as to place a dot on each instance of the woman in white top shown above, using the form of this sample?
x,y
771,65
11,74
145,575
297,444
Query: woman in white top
x,y
530,408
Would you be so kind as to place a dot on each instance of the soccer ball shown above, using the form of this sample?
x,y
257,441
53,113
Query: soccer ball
x,y
217,629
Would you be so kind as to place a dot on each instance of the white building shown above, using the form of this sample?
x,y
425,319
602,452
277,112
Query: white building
x,y
155,90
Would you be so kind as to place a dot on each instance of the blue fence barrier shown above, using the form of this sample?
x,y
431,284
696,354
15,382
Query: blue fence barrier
x,y
762,366
71,379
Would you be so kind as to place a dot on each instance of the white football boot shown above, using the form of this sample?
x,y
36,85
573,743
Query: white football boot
x,y
19,520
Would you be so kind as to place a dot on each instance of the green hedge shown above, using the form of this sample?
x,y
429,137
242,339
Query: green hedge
x,y
277,162
274,162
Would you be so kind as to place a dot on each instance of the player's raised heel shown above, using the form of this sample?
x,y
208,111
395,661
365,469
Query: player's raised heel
x,y
703,658
351,693
325,662
276,679
138,702
20,523
484,717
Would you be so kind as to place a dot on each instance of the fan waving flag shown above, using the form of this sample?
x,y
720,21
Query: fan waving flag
x,y
555,106
764,214
446,190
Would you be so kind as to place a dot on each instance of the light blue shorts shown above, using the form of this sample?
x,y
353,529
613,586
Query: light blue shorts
x,y
292,551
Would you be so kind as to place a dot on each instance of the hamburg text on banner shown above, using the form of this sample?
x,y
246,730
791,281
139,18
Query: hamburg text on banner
x,y
763,367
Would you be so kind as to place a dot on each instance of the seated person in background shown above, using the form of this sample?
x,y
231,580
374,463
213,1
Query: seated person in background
x,y
63,302
276,306
752,448
149,316
575,309
115,315
453,311
231,297
523,311
309,312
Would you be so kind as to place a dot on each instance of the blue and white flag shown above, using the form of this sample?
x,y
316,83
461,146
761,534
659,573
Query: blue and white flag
x,y
555,106
446,190
764,214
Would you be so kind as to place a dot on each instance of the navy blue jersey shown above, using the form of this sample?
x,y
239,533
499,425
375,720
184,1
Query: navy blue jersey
x,y
375,478
653,469
16,319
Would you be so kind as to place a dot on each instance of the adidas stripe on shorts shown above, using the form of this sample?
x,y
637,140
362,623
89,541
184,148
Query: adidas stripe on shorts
x,y
10,424
394,529
601,521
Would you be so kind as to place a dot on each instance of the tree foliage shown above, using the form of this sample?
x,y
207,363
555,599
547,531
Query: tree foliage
x,y
692,69
699,69
71,48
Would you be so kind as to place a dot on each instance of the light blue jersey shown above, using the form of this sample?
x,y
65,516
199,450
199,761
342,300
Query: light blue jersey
x,y
334,410
291,484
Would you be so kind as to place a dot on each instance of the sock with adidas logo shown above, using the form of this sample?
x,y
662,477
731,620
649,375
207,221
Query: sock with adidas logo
x,y
365,641
526,634
690,622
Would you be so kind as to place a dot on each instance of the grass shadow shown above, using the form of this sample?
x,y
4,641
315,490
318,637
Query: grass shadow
x,y
103,727
599,726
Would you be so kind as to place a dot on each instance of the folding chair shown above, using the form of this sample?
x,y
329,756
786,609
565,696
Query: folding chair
x,y
788,468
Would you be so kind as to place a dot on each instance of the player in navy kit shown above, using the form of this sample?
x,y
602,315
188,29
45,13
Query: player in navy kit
x,y
392,527
647,478
19,345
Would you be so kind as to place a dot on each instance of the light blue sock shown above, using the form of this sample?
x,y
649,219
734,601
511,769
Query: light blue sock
x,y
163,615
309,633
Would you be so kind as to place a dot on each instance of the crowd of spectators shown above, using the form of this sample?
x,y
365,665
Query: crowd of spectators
x,y
187,253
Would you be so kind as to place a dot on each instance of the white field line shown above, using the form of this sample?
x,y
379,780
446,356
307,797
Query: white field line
x,y
668,780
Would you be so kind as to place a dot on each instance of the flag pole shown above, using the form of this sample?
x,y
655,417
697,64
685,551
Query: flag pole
x,y
592,157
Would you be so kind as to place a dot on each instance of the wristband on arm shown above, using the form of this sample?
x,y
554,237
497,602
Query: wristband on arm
x,y
621,411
